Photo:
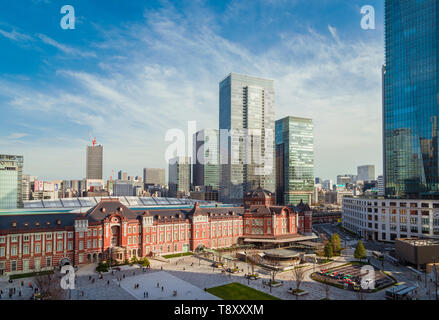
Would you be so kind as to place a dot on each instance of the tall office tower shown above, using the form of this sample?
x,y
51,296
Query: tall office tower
x,y
155,176
179,176
410,102
11,176
294,160
119,175
94,162
246,123
206,158
366,172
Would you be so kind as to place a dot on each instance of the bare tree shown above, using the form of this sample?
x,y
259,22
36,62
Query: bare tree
x,y
49,286
298,276
220,255
253,260
274,270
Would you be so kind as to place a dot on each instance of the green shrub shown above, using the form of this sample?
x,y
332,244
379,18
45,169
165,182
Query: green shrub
x,y
29,275
329,252
103,267
360,251
145,262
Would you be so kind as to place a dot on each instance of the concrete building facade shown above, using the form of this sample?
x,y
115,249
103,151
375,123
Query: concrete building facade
x,y
154,176
94,164
389,219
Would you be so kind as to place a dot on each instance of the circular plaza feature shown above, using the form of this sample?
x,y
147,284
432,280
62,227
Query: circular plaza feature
x,y
284,257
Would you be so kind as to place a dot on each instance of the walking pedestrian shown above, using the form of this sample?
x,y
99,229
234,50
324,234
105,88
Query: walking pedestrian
x,y
162,288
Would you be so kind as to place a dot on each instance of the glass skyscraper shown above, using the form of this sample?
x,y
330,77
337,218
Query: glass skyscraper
x,y
411,98
206,158
179,176
246,123
294,160
11,174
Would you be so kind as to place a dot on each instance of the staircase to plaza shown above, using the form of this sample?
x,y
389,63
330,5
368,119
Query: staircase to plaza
x,y
159,258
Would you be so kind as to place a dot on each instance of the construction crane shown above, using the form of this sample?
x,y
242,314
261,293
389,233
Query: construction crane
x,y
93,139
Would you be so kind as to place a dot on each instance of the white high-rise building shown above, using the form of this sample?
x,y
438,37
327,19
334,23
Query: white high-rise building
x,y
327,185
381,188
366,172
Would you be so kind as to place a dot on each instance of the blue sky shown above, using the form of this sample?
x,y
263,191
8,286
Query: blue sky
x,y
131,70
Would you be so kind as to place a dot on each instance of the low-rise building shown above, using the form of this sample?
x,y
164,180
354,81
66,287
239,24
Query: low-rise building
x,y
388,219
417,252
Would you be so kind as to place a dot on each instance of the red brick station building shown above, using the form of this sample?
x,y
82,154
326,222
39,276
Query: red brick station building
x,y
41,241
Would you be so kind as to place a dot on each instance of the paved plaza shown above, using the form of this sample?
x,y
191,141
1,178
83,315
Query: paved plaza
x,y
189,276
163,286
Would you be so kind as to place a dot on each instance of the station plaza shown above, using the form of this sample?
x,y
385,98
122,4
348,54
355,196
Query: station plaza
x,y
183,278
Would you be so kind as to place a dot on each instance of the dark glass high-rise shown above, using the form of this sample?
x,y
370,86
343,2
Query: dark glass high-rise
x,y
410,99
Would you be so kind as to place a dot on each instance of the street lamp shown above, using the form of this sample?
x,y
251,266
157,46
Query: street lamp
x,y
435,274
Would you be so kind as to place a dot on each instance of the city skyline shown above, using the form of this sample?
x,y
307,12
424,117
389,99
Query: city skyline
x,y
42,89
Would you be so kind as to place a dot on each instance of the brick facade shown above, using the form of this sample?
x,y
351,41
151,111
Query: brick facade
x,y
44,241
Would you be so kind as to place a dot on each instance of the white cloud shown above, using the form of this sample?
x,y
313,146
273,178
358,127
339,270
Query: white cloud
x,y
160,74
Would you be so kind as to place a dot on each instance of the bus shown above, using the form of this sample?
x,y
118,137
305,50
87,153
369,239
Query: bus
x,y
400,292
378,255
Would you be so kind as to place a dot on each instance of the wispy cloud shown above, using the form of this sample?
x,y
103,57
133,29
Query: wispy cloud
x,y
17,135
64,48
14,35
334,34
